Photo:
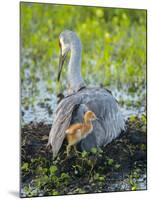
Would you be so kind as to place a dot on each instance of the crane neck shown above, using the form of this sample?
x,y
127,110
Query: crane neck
x,y
74,68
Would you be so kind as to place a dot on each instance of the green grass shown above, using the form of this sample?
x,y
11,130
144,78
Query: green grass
x,y
114,43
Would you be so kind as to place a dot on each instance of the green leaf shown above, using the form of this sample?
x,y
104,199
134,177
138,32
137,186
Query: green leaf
x,y
25,167
53,169
64,176
84,154
134,188
144,119
55,193
110,161
132,118
94,150
117,166
102,178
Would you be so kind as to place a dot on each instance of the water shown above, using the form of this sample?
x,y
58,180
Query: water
x,y
39,105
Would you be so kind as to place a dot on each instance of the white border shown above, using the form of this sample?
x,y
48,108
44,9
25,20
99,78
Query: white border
x,y
9,99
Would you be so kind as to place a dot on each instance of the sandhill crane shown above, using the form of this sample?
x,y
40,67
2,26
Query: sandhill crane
x,y
80,99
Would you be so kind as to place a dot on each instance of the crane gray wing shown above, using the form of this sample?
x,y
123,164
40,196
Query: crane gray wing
x,y
71,110
62,119
110,123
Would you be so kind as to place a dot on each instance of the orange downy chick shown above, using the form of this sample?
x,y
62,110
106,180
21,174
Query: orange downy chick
x,y
79,131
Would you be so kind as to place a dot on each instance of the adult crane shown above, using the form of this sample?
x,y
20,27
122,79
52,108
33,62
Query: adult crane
x,y
80,99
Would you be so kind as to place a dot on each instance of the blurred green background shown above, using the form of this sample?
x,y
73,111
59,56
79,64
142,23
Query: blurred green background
x,y
114,49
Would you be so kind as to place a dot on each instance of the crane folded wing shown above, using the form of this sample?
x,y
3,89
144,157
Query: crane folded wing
x,y
61,122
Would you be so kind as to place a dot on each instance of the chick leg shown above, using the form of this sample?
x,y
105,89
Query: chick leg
x,y
68,149
75,149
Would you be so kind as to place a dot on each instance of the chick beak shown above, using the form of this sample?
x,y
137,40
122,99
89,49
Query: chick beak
x,y
61,62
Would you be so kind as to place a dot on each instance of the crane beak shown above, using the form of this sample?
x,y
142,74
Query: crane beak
x,y
61,62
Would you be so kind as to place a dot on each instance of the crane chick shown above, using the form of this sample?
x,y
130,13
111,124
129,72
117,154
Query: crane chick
x,y
77,132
